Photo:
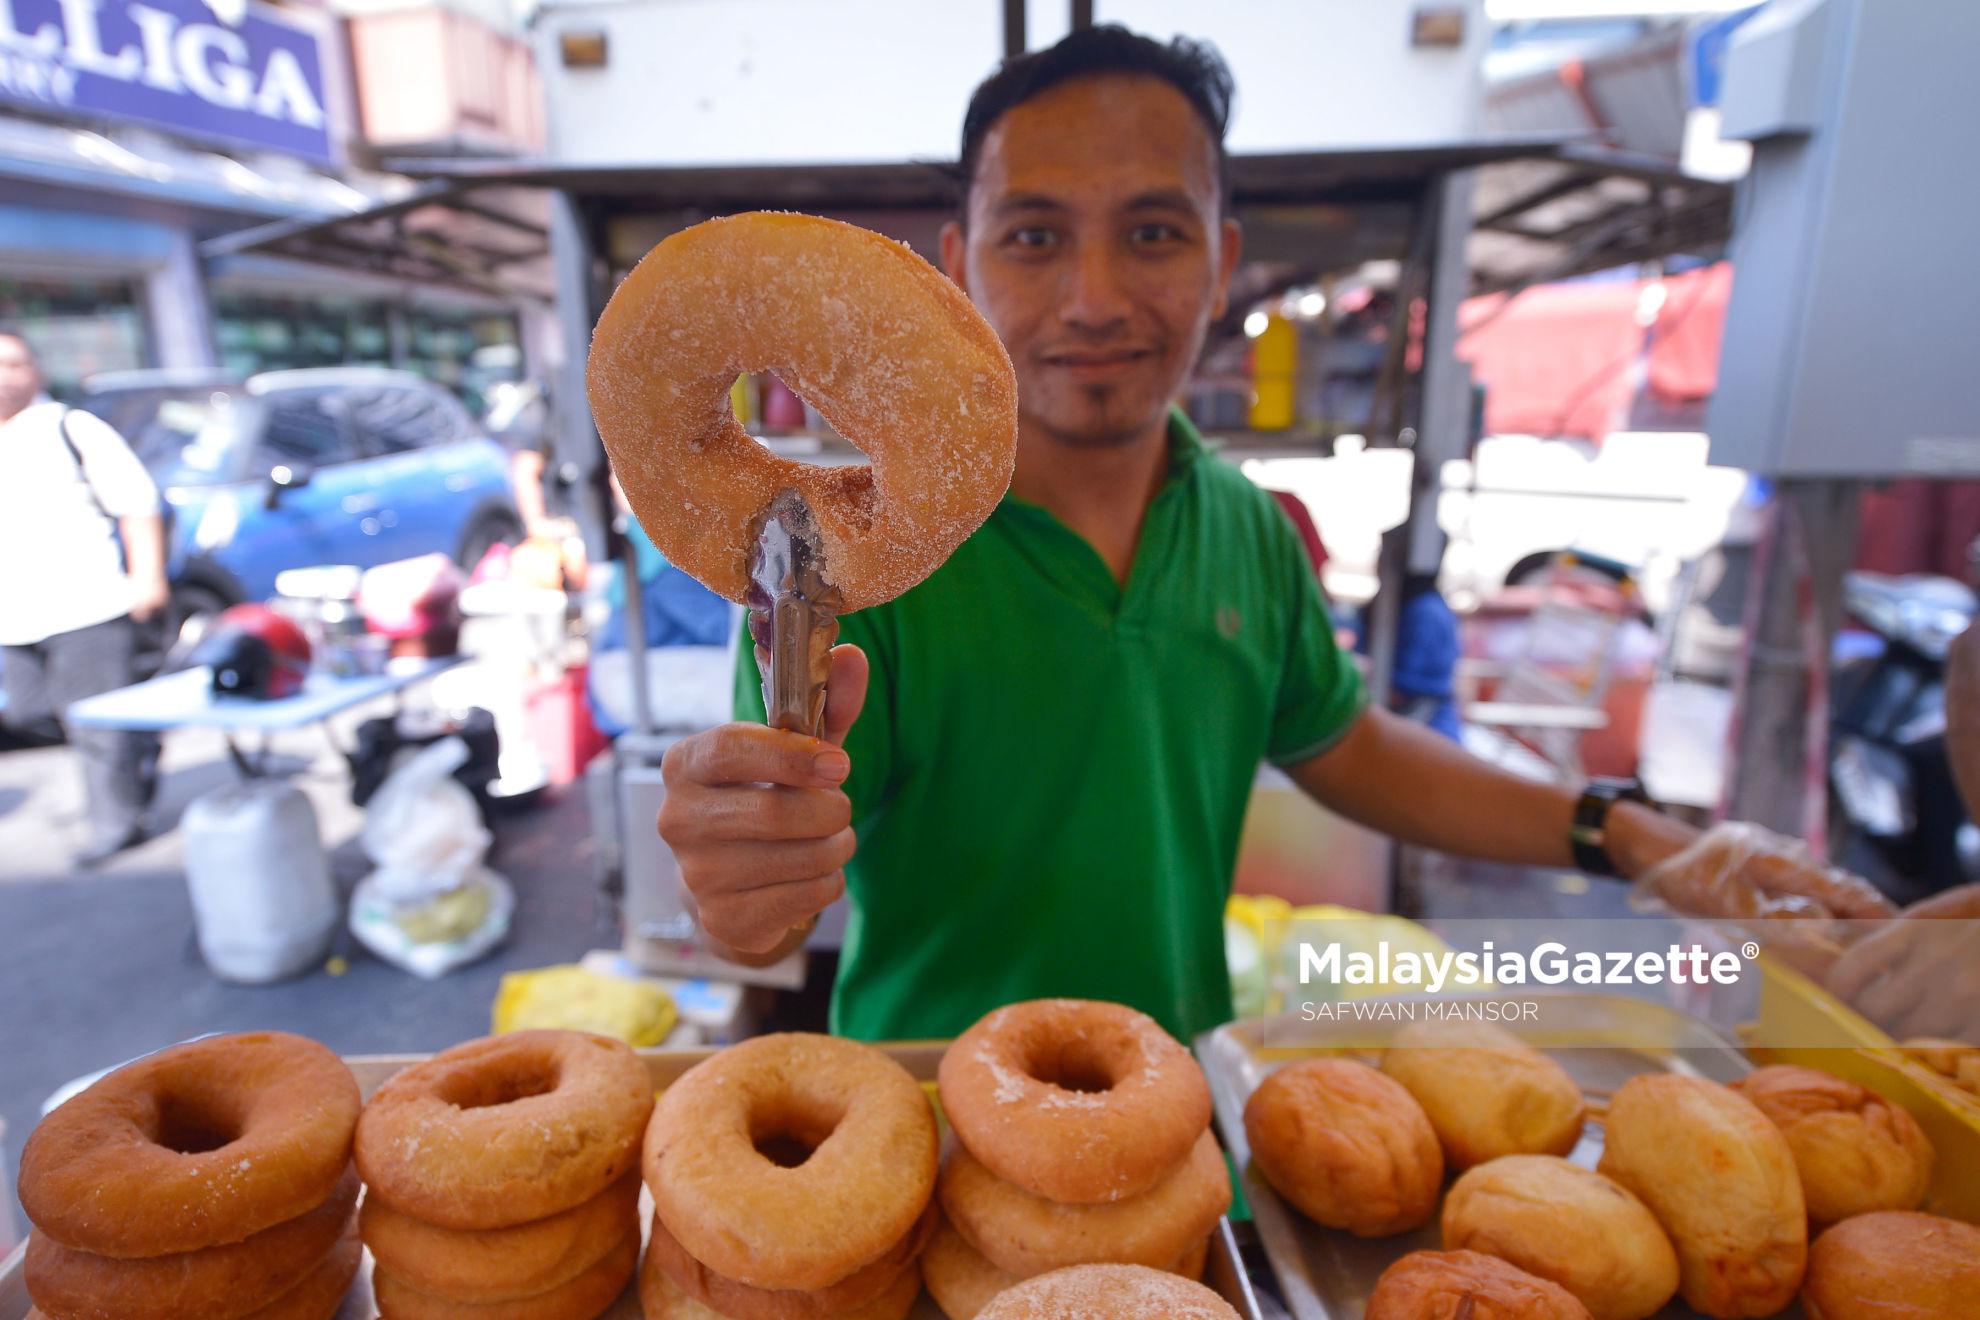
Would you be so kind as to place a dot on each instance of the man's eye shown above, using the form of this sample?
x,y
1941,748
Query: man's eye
x,y
1155,232
1031,236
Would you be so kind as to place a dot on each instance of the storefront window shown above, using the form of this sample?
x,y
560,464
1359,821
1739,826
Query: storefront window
x,y
77,327
259,332
467,352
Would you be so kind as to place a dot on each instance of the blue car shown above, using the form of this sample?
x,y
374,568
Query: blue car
x,y
287,469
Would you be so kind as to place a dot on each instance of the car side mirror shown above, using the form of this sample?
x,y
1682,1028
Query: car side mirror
x,y
285,476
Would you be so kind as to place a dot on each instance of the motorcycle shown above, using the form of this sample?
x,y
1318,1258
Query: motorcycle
x,y
1895,815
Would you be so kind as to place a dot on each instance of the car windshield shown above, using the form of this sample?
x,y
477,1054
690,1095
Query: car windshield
x,y
189,437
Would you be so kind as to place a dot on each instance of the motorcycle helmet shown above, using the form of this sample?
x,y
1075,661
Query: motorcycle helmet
x,y
254,652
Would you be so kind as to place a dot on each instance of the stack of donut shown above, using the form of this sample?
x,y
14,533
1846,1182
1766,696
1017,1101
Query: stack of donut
x,y
793,1178
501,1182
210,1181
1081,1137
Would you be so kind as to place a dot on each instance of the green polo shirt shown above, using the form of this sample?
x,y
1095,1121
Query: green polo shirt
x,y
1051,772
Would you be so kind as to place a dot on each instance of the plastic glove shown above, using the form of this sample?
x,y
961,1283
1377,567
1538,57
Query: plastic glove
x,y
1920,974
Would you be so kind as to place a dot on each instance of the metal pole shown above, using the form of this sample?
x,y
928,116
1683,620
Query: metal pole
x,y
1082,14
1014,38
636,637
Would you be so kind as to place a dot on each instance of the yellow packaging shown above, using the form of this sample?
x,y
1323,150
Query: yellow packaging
x,y
572,999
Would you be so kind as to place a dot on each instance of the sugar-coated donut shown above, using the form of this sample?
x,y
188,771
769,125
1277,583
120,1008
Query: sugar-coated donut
x,y
741,1301
213,1283
505,1130
196,1146
861,1126
1443,1285
1108,1292
500,1264
582,1298
1074,1099
883,345
962,1282
659,1299
1347,1146
1027,1234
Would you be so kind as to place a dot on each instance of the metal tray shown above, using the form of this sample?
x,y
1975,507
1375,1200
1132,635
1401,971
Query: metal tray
x,y
1223,1272
1325,1274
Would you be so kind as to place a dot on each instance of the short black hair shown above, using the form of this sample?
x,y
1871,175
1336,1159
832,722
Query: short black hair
x,y
1194,68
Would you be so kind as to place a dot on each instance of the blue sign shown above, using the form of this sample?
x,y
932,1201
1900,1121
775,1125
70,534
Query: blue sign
x,y
208,68
1709,40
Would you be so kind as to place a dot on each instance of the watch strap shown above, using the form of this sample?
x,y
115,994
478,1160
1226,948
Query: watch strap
x,y
1588,833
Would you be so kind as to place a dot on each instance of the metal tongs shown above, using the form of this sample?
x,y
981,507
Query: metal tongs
x,y
793,614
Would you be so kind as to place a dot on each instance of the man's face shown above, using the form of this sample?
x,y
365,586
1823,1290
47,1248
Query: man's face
x,y
1095,247
20,378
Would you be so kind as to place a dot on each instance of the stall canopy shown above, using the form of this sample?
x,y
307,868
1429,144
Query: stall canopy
x,y
1545,209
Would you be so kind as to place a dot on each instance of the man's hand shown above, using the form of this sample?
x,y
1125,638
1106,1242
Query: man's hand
x,y
150,594
1920,974
759,824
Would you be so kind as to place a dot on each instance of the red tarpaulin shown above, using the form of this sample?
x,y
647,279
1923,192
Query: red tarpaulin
x,y
1565,359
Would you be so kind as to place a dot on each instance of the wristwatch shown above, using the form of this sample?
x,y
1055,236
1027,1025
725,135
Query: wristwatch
x,y
1588,834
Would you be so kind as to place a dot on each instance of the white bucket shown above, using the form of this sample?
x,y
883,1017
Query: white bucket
x,y
262,896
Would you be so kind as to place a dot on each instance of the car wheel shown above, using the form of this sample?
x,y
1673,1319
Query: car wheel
x,y
485,533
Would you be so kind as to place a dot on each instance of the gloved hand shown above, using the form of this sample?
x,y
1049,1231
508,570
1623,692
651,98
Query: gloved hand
x,y
1919,975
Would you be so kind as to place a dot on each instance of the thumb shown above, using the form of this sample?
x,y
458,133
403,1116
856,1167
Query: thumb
x,y
845,693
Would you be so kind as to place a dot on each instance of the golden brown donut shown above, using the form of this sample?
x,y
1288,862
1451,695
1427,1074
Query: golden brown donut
x,y
1721,1180
321,1293
659,1299
1894,1265
505,1130
883,345
1027,1234
1074,1099
740,1301
1568,1225
196,1146
1108,1292
1347,1146
869,1168
1855,1151
1485,1091
1465,1285
962,1282
500,1264
582,1298
213,1283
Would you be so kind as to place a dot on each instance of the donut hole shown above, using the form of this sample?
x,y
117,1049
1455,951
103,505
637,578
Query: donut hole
x,y
195,1124
487,1088
788,1133
1073,1065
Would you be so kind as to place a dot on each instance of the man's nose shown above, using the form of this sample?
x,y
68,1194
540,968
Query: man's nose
x,y
1095,292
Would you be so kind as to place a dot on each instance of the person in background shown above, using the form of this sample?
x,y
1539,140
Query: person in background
x,y
519,417
70,597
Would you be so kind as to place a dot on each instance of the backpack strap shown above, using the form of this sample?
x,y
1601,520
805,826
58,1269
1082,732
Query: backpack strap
x,y
82,469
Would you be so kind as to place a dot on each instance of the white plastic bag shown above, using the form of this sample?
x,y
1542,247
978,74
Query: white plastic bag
x,y
430,906
423,829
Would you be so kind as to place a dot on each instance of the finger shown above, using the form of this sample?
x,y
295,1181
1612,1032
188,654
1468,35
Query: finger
x,y
1962,901
845,692
753,813
1871,957
750,865
753,754
756,922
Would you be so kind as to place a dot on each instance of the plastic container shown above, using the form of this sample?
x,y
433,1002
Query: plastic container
x,y
262,897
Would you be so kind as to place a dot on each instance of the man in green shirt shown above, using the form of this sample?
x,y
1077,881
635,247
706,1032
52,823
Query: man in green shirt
x,y
1036,763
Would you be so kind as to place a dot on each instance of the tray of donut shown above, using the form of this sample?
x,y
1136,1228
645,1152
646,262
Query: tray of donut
x,y
1057,1159
1631,1162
